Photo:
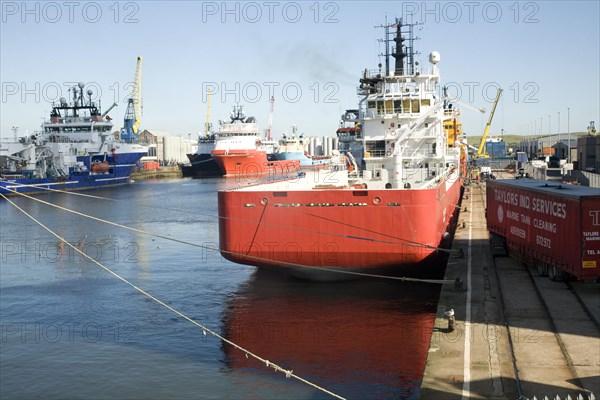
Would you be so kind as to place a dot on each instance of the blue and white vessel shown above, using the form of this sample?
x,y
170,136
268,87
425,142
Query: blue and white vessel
x,y
294,147
75,150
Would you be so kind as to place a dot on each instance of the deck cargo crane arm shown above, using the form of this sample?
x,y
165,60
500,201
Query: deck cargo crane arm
x,y
481,149
105,113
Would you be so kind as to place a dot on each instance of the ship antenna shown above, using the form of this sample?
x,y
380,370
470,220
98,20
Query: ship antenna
x,y
401,51
385,41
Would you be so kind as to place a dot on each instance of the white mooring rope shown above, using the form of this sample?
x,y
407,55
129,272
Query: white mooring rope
x,y
268,364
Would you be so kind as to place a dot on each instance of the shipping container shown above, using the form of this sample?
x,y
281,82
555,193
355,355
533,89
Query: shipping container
x,y
555,227
495,149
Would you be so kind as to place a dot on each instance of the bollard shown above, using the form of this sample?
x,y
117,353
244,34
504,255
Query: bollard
x,y
458,283
451,320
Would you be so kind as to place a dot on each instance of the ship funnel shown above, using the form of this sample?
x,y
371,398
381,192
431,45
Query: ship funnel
x,y
399,54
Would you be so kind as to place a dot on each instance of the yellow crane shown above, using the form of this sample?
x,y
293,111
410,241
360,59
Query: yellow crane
x,y
133,114
481,150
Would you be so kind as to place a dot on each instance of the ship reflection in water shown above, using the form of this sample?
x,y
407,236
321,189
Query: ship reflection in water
x,y
360,339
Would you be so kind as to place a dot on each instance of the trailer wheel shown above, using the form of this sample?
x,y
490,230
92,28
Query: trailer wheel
x,y
542,268
555,274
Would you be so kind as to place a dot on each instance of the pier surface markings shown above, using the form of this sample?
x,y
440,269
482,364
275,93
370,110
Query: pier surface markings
x,y
466,389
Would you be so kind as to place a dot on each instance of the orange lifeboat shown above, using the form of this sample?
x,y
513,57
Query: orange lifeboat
x,y
100,167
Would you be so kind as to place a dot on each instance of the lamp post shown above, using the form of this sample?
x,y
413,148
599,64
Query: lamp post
x,y
568,133
558,127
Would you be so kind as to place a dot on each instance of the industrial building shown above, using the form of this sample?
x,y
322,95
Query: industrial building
x,y
166,148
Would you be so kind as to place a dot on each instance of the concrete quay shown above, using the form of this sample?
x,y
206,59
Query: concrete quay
x,y
517,334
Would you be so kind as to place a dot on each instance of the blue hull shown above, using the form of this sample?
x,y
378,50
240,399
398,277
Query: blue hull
x,y
121,166
304,160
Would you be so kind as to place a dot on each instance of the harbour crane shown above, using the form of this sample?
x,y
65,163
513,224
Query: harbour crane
x,y
133,114
207,124
481,150
270,125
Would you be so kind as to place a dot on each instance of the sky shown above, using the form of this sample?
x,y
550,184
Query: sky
x,y
308,55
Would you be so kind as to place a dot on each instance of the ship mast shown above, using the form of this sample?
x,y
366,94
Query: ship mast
x,y
400,51
270,118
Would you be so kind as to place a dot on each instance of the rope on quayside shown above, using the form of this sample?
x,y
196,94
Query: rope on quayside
x,y
270,224
253,258
268,364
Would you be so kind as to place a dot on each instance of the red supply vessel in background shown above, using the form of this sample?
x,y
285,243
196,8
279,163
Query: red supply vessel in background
x,y
553,226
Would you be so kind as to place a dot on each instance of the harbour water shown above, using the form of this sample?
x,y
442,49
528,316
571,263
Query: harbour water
x,y
69,329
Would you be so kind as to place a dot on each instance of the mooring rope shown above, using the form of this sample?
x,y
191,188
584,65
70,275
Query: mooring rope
x,y
205,329
249,257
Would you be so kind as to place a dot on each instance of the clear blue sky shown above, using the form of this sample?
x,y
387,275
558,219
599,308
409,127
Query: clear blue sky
x,y
544,54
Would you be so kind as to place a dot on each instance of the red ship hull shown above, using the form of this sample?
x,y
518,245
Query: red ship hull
x,y
376,327
344,229
251,162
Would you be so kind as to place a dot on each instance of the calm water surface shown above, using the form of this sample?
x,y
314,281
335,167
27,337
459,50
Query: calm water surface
x,y
71,330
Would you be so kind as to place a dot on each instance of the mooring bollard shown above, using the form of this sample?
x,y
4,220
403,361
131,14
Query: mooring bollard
x,y
451,320
458,283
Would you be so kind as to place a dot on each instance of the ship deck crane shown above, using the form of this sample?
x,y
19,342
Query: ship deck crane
x,y
133,114
105,113
481,150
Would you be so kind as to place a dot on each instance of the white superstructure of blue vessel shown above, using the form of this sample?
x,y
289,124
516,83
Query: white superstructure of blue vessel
x,y
75,150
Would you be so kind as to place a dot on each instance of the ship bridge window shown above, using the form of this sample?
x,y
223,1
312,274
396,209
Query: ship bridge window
x,y
415,106
389,106
375,148
397,106
371,104
425,102
406,106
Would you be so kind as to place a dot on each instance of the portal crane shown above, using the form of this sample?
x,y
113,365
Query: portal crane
x,y
133,114
481,150
270,125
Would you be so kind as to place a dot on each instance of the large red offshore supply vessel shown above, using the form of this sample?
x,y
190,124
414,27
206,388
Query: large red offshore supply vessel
x,y
393,210
240,149
555,227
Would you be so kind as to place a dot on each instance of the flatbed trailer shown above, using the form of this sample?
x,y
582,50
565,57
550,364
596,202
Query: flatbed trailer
x,y
553,226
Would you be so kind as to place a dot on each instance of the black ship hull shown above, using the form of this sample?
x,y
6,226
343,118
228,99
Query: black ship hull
x,y
202,166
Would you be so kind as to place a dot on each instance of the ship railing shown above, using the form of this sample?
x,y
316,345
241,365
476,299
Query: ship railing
x,y
412,153
374,153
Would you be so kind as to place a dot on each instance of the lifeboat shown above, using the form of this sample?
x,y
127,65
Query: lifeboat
x,y
100,167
